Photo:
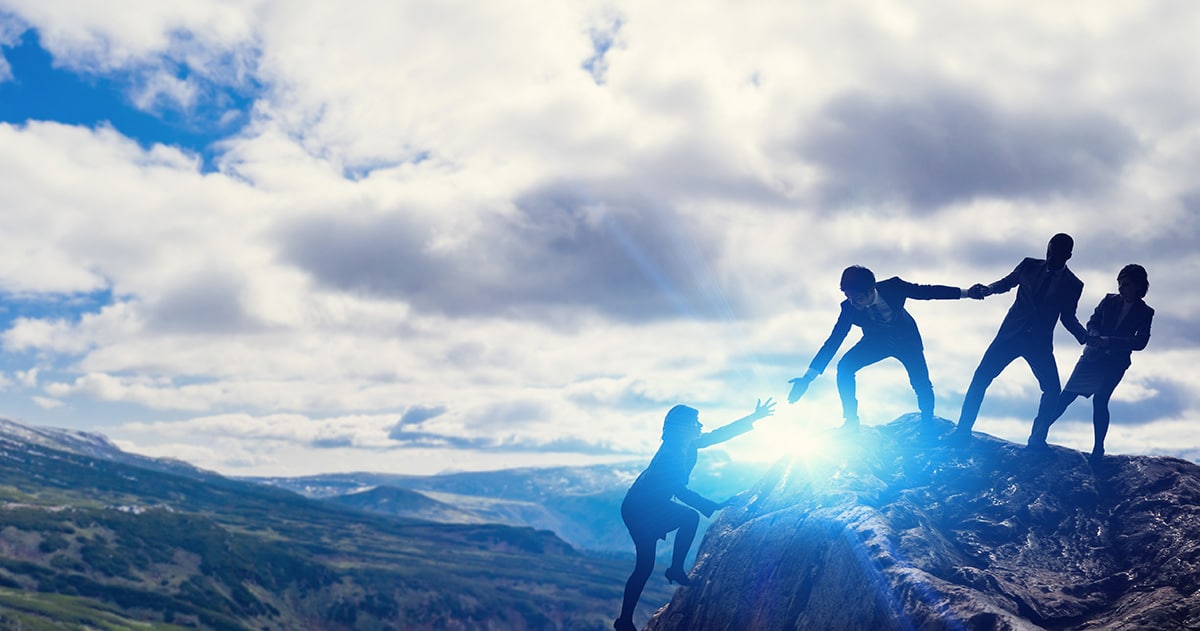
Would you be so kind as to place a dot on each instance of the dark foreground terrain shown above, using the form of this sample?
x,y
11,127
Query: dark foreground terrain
x,y
884,532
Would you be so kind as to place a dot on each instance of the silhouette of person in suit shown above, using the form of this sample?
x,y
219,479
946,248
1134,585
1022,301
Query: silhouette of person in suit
x,y
887,331
650,512
1119,326
1047,292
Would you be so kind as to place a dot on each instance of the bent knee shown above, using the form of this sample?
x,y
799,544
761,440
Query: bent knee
x,y
690,518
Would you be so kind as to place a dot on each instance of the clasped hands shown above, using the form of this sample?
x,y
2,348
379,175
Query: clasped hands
x,y
978,291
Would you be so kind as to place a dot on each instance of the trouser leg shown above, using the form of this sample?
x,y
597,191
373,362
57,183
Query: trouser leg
x,y
918,376
995,359
860,355
1045,370
1042,430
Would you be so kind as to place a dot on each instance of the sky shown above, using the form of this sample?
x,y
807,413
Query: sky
x,y
280,238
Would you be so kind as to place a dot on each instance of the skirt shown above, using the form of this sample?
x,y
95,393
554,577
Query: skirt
x,y
650,521
1096,373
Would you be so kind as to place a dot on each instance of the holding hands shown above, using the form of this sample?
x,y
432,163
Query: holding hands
x,y
978,291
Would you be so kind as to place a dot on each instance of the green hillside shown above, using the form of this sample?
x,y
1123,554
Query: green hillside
x,y
91,543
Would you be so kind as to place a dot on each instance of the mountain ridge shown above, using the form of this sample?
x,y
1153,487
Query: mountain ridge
x,y
566,500
885,532
90,539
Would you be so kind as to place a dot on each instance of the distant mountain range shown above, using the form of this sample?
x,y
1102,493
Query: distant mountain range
x,y
580,504
93,537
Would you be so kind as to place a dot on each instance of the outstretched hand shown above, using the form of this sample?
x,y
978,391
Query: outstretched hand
x,y
799,386
763,409
978,291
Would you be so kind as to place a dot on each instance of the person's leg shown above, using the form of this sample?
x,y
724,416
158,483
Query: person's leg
x,y
642,568
862,354
1100,417
689,522
1045,370
995,359
1037,437
918,377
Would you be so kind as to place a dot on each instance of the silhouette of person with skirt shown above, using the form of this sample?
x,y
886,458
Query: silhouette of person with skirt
x,y
650,512
1119,326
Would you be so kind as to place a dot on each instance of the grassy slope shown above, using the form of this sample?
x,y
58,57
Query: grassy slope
x,y
232,555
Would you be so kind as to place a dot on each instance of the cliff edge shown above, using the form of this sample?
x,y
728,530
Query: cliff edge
x,y
880,531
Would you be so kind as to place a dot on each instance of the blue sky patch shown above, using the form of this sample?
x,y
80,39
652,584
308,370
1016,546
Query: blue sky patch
x,y
43,91
70,307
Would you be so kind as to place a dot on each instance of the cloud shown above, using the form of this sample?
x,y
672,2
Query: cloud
x,y
212,44
519,426
207,302
10,35
419,414
560,247
945,145
47,403
547,225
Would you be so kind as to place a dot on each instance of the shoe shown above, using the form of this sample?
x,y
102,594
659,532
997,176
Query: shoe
x,y
1097,456
850,424
957,438
1037,444
677,575
624,624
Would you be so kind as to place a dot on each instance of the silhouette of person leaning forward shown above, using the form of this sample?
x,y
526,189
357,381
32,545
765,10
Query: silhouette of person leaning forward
x,y
1046,292
648,509
887,331
1119,326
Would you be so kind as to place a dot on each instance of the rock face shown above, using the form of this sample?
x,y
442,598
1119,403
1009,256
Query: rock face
x,y
882,531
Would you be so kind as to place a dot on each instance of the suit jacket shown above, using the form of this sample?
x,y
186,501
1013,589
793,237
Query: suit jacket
x,y
901,331
1131,334
1033,315
668,473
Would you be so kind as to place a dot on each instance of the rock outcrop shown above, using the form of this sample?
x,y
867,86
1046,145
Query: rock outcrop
x,y
882,531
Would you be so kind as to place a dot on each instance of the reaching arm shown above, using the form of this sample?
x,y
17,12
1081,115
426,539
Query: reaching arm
x,y
840,329
1070,320
932,292
737,428
696,501
1097,319
1008,282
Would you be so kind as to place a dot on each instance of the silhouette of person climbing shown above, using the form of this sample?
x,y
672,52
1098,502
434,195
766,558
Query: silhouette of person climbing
x,y
1119,326
1047,292
887,331
650,512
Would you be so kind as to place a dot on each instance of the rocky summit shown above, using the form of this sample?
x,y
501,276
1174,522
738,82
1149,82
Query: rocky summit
x,y
881,530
